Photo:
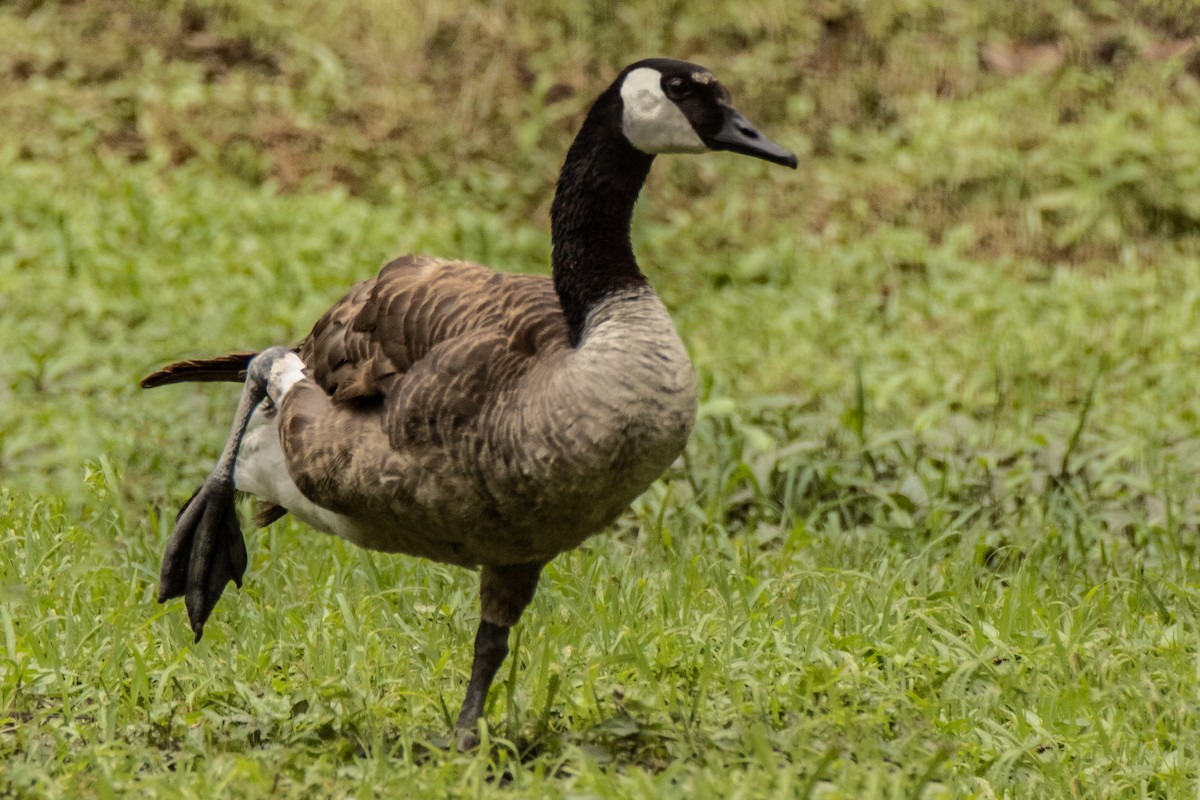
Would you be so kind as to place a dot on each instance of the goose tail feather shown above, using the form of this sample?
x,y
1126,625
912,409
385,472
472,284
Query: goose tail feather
x,y
230,368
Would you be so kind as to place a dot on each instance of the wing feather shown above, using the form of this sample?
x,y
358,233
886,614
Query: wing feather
x,y
384,327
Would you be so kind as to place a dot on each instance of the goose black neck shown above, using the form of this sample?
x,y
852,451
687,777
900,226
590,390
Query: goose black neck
x,y
590,216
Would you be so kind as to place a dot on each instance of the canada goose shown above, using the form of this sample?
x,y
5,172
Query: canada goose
x,y
484,419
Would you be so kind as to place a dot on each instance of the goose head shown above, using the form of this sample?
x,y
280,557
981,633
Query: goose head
x,y
672,106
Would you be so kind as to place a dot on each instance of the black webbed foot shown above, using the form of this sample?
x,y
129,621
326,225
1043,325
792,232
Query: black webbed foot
x,y
205,552
465,740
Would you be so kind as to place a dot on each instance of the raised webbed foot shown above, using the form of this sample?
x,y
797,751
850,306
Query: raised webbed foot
x,y
205,552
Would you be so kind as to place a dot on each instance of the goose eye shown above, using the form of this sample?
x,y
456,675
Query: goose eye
x,y
677,88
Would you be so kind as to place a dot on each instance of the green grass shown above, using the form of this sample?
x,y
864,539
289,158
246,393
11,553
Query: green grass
x,y
936,531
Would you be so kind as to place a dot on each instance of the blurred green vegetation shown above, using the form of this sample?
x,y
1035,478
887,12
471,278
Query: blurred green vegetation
x,y
1060,130
935,534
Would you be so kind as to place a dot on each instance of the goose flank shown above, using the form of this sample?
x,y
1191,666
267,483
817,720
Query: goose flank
x,y
491,420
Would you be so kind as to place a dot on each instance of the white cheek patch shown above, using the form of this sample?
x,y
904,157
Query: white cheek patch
x,y
651,122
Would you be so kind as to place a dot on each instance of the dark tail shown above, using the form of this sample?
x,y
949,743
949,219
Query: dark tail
x,y
231,368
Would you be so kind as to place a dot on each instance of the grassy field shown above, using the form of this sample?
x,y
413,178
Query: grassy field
x,y
936,533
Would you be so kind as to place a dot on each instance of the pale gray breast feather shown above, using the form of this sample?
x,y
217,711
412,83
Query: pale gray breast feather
x,y
631,346
623,400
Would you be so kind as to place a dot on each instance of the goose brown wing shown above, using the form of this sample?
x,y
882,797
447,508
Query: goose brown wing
x,y
384,327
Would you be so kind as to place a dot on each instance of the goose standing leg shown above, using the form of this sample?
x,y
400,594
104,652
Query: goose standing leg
x,y
504,592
